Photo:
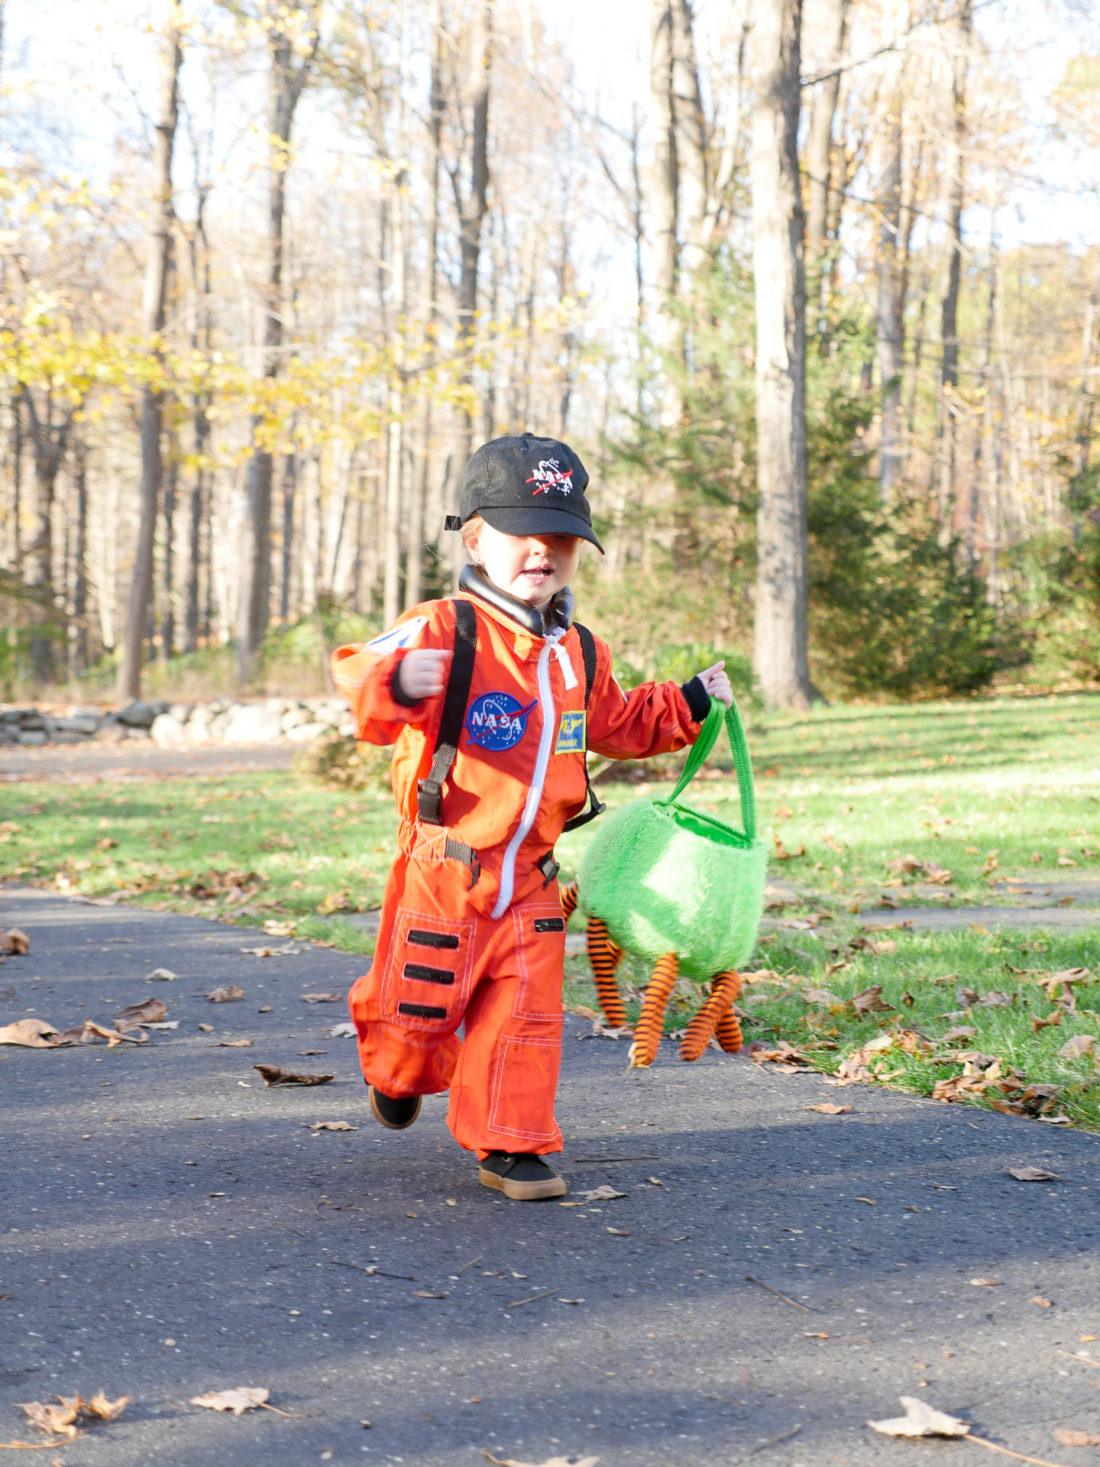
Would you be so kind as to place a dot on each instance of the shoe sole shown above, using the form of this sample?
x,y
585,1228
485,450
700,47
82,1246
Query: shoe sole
x,y
391,1125
523,1191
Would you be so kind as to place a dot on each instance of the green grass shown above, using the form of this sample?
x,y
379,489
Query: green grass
x,y
841,792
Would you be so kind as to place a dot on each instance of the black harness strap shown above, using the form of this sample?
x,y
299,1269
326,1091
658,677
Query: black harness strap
x,y
588,652
429,792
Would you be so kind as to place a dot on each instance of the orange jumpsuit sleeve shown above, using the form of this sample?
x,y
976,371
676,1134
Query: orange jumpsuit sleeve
x,y
652,719
364,673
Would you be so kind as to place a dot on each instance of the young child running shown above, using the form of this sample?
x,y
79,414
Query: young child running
x,y
492,698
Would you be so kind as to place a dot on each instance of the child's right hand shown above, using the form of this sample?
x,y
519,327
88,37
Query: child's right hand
x,y
423,672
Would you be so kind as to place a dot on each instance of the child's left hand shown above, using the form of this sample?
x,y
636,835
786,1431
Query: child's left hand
x,y
716,682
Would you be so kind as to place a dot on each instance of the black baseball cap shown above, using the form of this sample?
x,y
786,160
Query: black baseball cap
x,y
527,486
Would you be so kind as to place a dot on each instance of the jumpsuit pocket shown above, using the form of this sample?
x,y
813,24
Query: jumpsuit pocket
x,y
539,947
426,980
524,1082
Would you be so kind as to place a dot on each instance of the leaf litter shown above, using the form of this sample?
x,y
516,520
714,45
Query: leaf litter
x,y
72,1414
275,1075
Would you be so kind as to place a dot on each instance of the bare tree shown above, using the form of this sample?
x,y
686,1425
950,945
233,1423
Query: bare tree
x,y
158,263
472,198
287,76
819,139
779,651
958,38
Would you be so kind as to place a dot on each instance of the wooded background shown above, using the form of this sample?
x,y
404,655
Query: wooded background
x,y
267,284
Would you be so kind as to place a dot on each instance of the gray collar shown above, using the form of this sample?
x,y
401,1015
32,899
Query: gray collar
x,y
558,614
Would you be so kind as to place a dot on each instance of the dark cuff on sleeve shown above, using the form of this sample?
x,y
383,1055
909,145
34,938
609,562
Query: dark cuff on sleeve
x,y
397,692
698,699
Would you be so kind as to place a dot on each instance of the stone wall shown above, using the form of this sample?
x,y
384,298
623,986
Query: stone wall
x,y
181,725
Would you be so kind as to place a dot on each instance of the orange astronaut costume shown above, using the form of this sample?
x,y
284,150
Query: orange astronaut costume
x,y
472,932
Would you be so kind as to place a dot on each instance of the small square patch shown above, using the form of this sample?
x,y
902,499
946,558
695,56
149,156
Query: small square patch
x,y
571,733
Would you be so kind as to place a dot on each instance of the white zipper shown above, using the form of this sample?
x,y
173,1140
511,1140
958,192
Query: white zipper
x,y
566,666
534,794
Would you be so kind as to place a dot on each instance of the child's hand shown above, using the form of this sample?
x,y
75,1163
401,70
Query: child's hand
x,y
423,672
716,682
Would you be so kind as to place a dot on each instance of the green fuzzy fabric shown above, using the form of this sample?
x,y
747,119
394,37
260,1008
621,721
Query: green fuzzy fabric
x,y
666,878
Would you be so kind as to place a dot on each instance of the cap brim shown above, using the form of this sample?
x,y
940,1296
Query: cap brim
x,y
538,520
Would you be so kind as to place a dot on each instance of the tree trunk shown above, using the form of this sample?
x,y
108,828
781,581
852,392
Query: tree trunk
x,y
779,652
152,323
960,36
414,560
473,207
78,624
819,140
168,608
664,201
890,330
286,81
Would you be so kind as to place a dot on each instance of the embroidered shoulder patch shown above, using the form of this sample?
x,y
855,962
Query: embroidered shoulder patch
x,y
497,721
402,635
571,733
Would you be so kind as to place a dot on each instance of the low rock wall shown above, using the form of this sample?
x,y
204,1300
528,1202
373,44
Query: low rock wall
x,y
181,725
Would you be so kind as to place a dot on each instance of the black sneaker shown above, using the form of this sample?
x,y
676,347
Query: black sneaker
x,y
520,1175
396,1112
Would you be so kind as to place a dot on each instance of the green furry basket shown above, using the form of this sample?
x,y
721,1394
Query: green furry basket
x,y
667,878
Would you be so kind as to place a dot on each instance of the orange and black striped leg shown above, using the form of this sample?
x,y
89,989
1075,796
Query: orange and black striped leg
x,y
604,956
717,1009
651,1023
568,895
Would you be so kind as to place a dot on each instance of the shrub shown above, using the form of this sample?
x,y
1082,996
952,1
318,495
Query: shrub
x,y
343,763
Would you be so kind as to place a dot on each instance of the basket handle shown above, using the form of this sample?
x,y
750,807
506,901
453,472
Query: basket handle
x,y
708,737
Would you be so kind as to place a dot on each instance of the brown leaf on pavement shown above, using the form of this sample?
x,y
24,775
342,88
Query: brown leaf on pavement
x,y
323,997
238,1400
72,1413
274,1075
233,1044
550,1461
329,1126
986,1283
14,941
225,995
1041,1303
89,1032
602,1193
1065,1437
33,1033
162,975
1032,1174
147,1012
827,1108
921,1420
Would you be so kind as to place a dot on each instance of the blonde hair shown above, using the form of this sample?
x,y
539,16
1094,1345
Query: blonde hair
x,y
470,531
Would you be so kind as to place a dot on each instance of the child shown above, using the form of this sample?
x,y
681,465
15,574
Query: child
x,y
472,931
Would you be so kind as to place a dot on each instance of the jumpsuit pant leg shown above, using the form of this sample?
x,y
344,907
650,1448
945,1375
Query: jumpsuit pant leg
x,y
407,1008
506,1078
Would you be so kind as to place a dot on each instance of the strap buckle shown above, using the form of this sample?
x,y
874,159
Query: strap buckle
x,y
429,801
549,867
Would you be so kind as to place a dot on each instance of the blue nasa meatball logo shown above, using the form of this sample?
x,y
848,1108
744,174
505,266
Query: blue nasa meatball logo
x,y
497,721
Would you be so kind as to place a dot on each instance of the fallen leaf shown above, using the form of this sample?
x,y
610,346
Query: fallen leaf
x,y
238,1400
1065,1437
147,1012
225,995
323,997
206,1028
233,1044
603,1193
1032,1174
921,1420
72,1413
1041,1303
33,1033
341,1031
427,1294
827,1108
329,1126
1077,1047
962,1031
162,975
1038,1023
14,941
550,1461
985,1283
620,1232
869,1001
273,1075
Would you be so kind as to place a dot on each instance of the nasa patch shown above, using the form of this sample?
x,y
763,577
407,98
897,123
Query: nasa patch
x,y
497,721
402,635
571,738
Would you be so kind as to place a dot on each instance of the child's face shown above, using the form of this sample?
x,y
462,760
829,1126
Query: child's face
x,y
532,568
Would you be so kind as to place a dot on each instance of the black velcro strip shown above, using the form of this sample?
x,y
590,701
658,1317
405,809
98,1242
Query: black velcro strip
x,y
549,924
417,938
421,1011
428,975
